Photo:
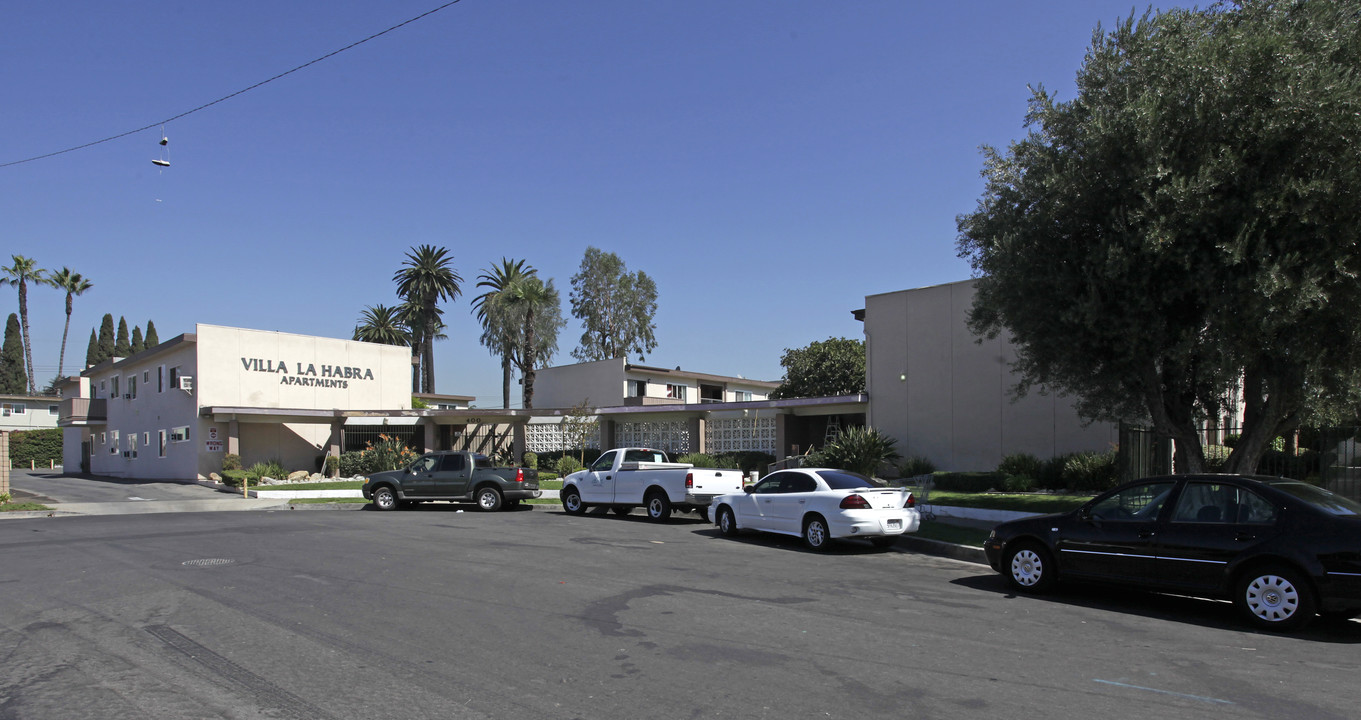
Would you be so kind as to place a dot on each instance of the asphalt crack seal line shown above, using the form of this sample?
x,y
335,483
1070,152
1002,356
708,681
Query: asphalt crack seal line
x,y
265,693
1164,692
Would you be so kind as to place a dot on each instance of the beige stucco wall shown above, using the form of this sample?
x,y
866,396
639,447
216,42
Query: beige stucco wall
x,y
601,382
944,395
257,368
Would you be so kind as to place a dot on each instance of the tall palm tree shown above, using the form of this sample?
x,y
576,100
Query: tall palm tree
x,y
425,280
538,308
20,274
74,285
500,333
381,324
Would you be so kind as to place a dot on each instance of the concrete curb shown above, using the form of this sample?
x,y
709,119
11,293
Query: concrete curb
x,y
966,553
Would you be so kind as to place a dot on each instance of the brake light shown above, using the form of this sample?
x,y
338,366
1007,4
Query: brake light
x,y
911,501
519,474
855,502
689,480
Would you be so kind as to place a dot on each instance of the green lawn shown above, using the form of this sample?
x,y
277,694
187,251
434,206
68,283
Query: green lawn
x,y
1023,502
13,506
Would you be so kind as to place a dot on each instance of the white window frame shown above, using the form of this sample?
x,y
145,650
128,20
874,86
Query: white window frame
x,y
114,445
161,442
179,434
132,386
53,409
676,391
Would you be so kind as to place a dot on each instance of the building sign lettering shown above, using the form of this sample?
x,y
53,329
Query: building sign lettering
x,y
330,376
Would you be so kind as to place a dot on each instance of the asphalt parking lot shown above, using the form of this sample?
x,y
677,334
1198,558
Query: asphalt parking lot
x,y
431,612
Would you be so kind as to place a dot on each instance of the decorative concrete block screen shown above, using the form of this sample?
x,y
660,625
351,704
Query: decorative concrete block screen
x,y
740,435
673,436
549,437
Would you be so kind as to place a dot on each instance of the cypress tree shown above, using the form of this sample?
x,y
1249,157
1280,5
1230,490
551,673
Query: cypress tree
x,y
122,347
92,352
137,344
13,378
106,341
151,339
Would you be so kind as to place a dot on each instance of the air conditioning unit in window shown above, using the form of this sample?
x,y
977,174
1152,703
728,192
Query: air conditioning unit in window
x,y
127,396
186,383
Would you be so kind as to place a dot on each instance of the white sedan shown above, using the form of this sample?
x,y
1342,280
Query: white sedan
x,y
819,505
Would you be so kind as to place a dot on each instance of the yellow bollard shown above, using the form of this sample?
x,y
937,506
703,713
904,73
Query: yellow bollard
x,y
245,487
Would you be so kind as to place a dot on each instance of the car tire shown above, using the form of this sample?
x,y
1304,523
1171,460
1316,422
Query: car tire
x,y
571,502
703,513
816,534
385,499
621,509
1275,597
488,499
884,542
727,522
1029,567
658,506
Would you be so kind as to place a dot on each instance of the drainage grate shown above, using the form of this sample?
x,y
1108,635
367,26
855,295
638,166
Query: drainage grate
x,y
208,562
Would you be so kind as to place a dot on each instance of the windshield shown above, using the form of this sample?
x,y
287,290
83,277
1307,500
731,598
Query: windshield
x,y
1324,500
847,480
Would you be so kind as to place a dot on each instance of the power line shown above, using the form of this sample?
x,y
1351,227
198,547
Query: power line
x,y
229,97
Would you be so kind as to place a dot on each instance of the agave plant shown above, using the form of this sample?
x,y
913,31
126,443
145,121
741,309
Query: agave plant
x,y
859,449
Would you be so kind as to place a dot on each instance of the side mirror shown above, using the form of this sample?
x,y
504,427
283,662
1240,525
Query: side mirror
x,y
748,489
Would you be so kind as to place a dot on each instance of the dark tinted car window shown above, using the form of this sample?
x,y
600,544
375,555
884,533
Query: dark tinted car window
x,y
425,463
847,480
452,463
1318,497
1140,503
771,484
604,462
1208,502
800,483
482,461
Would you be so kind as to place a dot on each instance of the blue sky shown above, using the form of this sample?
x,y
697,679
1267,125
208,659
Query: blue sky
x,y
768,163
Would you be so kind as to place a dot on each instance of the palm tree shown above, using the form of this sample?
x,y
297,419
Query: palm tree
x,y
381,324
500,333
425,280
74,285
538,308
20,274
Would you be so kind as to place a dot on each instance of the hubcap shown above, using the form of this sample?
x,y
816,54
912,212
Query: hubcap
x,y
817,535
573,502
1272,598
655,508
488,500
1026,568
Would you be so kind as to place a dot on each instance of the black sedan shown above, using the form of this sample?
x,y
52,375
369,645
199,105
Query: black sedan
x,y
1281,549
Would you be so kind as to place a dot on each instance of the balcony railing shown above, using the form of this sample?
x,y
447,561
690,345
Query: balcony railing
x,y
83,411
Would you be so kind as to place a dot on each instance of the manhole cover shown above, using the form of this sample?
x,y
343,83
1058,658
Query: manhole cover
x,y
207,562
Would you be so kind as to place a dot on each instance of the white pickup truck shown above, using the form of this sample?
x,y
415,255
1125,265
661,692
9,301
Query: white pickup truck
x,y
624,478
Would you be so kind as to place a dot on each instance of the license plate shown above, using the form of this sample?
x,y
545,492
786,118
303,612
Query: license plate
x,y
895,523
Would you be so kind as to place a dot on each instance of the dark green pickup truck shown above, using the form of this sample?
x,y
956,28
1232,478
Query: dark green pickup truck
x,y
453,477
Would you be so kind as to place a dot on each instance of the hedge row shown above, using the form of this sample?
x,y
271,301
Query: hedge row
x,y
35,447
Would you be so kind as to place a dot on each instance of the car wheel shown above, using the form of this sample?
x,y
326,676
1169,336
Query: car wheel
x,y
658,506
1275,597
1029,568
727,524
488,499
385,499
571,502
622,509
884,542
815,533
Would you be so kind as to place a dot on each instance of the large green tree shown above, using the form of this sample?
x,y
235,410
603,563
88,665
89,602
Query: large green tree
x,y
152,339
615,307
92,350
137,344
73,284
122,346
426,279
13,375
383,325
536,306
499,330
825,368
1187,230
23,272
107,341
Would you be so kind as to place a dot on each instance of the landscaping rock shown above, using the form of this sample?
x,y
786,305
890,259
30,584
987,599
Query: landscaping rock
x,y
215,477
297,475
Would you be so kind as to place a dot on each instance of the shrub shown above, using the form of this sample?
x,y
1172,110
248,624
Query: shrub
x,y
37,447
389,453
704,460
531,461
1018,483
745,460
236,477
1215,457
231,461
1051,475
270,468
567,465
351,464
973,482
1090,472
859,449
5,498
1021,464
917,465
332,466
